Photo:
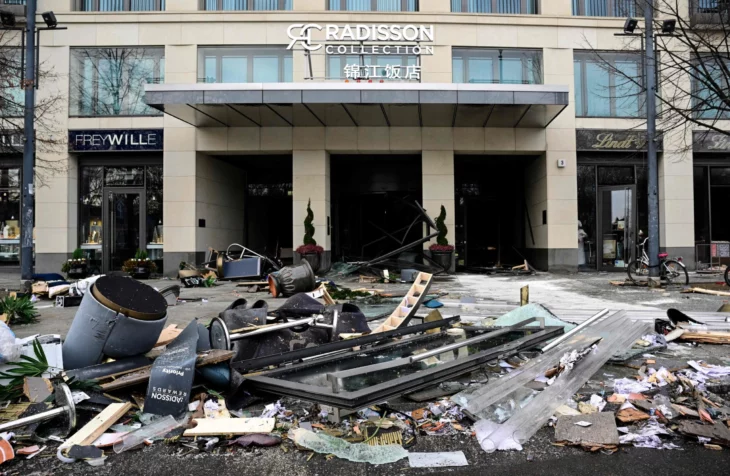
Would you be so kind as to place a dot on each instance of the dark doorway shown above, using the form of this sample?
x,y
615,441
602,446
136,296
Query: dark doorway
x,y
268,204
490,210
372,196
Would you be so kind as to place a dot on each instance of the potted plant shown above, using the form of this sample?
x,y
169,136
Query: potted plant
x,y
310,250
140,267
442,251
76,267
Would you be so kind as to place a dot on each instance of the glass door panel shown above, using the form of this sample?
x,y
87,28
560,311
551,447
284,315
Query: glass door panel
x,y
124,211
616,213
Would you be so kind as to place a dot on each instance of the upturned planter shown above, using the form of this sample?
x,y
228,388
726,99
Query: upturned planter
x,y
314,260
291,280
443,259
78,270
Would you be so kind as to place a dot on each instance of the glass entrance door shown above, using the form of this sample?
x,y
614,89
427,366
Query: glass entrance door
x,y
124,211
616,226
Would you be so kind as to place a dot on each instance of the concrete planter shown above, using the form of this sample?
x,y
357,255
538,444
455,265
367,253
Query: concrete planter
x,y
443,259
313,259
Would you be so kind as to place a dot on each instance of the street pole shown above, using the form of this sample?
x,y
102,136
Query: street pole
x,y
28,199
653,179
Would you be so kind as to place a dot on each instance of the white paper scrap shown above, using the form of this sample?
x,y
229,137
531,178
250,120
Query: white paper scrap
x,y
437,460
583,423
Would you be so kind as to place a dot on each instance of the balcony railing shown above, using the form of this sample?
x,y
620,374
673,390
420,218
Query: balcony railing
x,y
528,7
709,12
239,5
607,8
119,5
373,5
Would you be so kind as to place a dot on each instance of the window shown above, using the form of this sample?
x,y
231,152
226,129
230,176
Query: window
x,y
12,96
245,65
9,215
231,5
370,66
495,6
119,5
110,81
603,87
606,8
374,5
709,78
497,66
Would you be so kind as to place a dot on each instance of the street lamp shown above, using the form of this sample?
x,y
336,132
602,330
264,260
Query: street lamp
x,y
650,73
29,83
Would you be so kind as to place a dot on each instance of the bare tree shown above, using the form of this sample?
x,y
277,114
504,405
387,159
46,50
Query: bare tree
x,y
49,134
110,81
693,66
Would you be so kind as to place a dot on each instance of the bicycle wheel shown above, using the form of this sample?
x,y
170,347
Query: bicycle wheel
x,y
675,273
727,275
638,272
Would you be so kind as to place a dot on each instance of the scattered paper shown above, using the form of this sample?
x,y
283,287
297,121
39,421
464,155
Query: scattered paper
x,y
583,423
437,460
79,396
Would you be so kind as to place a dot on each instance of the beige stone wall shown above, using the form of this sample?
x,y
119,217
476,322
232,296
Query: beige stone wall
x,y
188,150
220,194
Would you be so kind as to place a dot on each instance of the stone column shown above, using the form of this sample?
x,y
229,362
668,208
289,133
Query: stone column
x,y
311,181
556,7
437,170
56,183
676,197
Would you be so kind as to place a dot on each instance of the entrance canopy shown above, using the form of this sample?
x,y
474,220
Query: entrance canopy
x,y
359,104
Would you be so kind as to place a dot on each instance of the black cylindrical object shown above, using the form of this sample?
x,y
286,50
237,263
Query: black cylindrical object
x,y
291,280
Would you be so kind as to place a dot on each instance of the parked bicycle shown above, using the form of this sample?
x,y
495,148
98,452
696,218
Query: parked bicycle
x,y
672,271
727,275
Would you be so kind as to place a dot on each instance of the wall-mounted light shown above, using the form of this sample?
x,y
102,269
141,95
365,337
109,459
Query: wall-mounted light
x,y
630,25
50,19
7,19
668,27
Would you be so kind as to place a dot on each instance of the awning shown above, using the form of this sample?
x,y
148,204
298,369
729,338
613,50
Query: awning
x,y
317,104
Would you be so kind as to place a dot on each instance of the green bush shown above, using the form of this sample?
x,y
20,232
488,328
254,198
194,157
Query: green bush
x,y
18,310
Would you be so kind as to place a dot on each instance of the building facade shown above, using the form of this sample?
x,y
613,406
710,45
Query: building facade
x,y
196,124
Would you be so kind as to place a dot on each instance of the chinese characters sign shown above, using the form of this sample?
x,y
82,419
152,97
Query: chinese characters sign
x,y
390,72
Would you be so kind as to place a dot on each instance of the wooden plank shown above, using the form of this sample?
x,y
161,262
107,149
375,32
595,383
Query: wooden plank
x,y
230,426
98,425
211,357
711,292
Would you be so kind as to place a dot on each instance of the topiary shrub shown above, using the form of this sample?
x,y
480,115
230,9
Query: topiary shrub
x,y
308,227
442,243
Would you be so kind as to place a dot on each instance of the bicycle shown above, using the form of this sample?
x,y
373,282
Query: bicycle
x,y
727,275
670,270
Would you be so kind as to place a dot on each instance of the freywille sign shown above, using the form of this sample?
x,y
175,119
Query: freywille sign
x,y
607,140
115,140
302,33
710,141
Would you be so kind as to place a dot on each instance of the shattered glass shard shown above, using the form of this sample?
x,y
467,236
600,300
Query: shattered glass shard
x,y
357,452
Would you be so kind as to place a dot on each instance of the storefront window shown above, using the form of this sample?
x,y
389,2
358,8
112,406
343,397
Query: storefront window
x,y
702,208
484,65
140,186
9,215
587,216
370,65
237,64
495,6
110,81
256,5
615,175
603,87
719,198
90,214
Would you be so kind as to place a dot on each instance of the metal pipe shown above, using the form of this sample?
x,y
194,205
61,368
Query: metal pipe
x,y
273,328
576,329
473,340
28,175
39,417
651,146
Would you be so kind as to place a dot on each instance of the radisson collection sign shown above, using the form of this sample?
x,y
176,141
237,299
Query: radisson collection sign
x,y
383,39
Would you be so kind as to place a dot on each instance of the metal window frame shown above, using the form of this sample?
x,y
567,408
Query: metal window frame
x,y
78,6
494,8
268,382
202,5
584,58
374,7
614,8
94,97
497,54
279,51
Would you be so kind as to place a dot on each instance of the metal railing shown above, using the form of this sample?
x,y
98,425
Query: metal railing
x,y
709,12
607,8
119,5
241,5
373,5
524,7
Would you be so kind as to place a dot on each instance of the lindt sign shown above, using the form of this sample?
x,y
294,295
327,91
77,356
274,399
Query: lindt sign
x,y
711,141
